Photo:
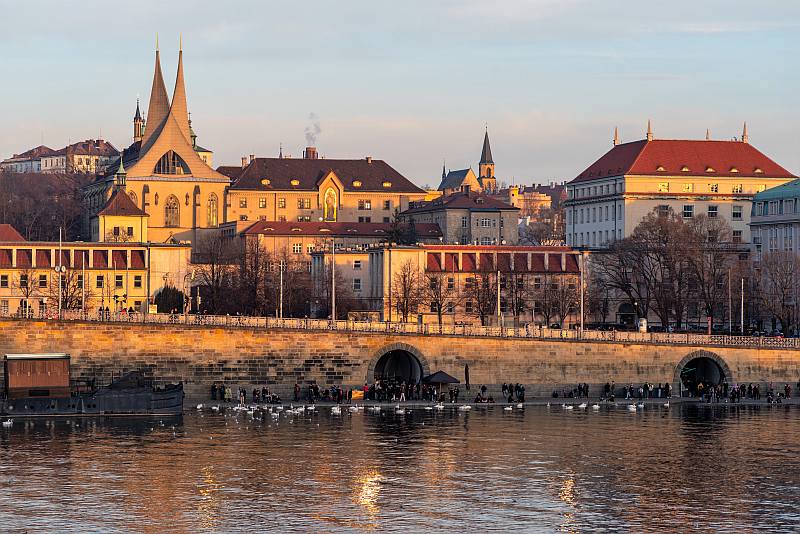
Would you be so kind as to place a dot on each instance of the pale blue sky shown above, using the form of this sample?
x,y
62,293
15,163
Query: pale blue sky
x,y
412,82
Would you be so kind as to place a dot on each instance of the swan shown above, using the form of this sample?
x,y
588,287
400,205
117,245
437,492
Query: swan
x,y
311,408
519,405
507,408
640,405
214,408
465,407
399,411
275,415
353,409
8,423
582,406
666,404
548,404
428,408
336,410
569,407
631,407
595,406
199,406
439,406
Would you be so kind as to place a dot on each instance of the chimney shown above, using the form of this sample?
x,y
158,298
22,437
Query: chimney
x,y
310,153
368,159
244,161
252,157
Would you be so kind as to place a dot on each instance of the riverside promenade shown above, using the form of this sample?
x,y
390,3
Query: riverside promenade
x,y
256,351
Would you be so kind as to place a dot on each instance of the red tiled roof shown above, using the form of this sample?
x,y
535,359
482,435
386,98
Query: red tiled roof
x,y
277,174
36,152
120,204
9,233
91,147
647,157
337,229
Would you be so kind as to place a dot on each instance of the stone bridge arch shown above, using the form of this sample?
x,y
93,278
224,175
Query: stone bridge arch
x,y
716,358
380,359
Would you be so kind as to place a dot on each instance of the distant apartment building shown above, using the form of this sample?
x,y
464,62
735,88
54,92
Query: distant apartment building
x,y
28,161
468,218
609,199
775,220
91,156
470,284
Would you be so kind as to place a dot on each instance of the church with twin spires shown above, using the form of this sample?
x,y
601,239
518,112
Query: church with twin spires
x,y
165,175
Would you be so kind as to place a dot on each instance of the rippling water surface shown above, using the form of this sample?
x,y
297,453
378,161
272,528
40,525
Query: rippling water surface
x,y
538,469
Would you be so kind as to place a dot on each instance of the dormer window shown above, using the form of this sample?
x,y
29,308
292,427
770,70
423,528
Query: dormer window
x,y
296,229
734,170
324,230
387,184
660,169
758,170
710,169
684,169
356,183
295,182
265,181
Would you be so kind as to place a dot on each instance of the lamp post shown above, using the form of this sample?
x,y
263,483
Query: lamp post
x,y
188,276
281,267
333,279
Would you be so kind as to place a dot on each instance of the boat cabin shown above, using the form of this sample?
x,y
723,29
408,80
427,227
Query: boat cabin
x,y
36,375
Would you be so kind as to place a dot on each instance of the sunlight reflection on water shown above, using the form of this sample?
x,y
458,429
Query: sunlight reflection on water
x,y
706,468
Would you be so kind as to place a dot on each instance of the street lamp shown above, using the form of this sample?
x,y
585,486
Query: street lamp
x,y
188,276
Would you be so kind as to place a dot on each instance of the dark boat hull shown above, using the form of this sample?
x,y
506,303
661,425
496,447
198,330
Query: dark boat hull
x,y
140,401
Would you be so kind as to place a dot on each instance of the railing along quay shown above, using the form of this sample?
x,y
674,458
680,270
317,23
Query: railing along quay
x,y
522,332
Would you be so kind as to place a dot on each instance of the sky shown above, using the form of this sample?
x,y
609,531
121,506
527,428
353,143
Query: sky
x,y
413,82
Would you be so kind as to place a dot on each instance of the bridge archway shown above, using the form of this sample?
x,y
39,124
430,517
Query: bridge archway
x,y
702,366
398,362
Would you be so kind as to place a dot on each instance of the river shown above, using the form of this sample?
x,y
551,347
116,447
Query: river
x,y
537,469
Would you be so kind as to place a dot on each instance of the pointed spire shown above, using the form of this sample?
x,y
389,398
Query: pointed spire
x,y
616,136
486,153
708,134
444,174
120,177
158,109
280,151
138,115
649,131
178,110
745,137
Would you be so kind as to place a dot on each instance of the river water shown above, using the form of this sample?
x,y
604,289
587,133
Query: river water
x,y
540,469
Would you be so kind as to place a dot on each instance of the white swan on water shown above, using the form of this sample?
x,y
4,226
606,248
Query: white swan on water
x,y
335,410
666,404
595,406
582,406
631,407
507,408
398,410
8,423
569,407
519,405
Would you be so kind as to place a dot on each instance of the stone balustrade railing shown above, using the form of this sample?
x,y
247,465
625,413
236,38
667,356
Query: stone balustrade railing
x,y
527,332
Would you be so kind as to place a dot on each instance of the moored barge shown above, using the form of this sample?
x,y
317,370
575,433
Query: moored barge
x,y
39,385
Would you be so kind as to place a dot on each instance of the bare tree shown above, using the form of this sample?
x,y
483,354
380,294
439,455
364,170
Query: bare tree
x,y
779,292
480,290
216,257
439,292
405,290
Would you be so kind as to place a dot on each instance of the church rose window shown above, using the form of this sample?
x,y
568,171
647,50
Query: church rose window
x,y
172,208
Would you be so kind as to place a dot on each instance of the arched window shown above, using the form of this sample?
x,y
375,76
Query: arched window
x,y
133,197
172,211
171,163
211,215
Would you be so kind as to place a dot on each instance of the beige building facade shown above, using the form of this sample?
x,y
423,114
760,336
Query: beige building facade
x,y
714,178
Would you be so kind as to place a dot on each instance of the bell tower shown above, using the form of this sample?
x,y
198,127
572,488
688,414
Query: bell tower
x,y
487,178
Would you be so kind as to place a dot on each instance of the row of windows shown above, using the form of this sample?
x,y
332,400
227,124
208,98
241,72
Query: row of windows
x,y
787,206
42,281
662,187
305,203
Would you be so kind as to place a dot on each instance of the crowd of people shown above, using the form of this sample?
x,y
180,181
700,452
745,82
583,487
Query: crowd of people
x,y
224,393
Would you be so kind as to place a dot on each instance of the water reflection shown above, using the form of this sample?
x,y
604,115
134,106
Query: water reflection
x,y
692,468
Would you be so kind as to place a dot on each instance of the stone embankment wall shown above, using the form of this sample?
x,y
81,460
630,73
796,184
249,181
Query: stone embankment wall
x,y
198,356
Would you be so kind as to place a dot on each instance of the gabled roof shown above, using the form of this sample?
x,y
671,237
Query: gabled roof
x,y
486,153
471,201
91,147
454,179
121,205
9,233
231,171
35,153
336,229
672,157
278,174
